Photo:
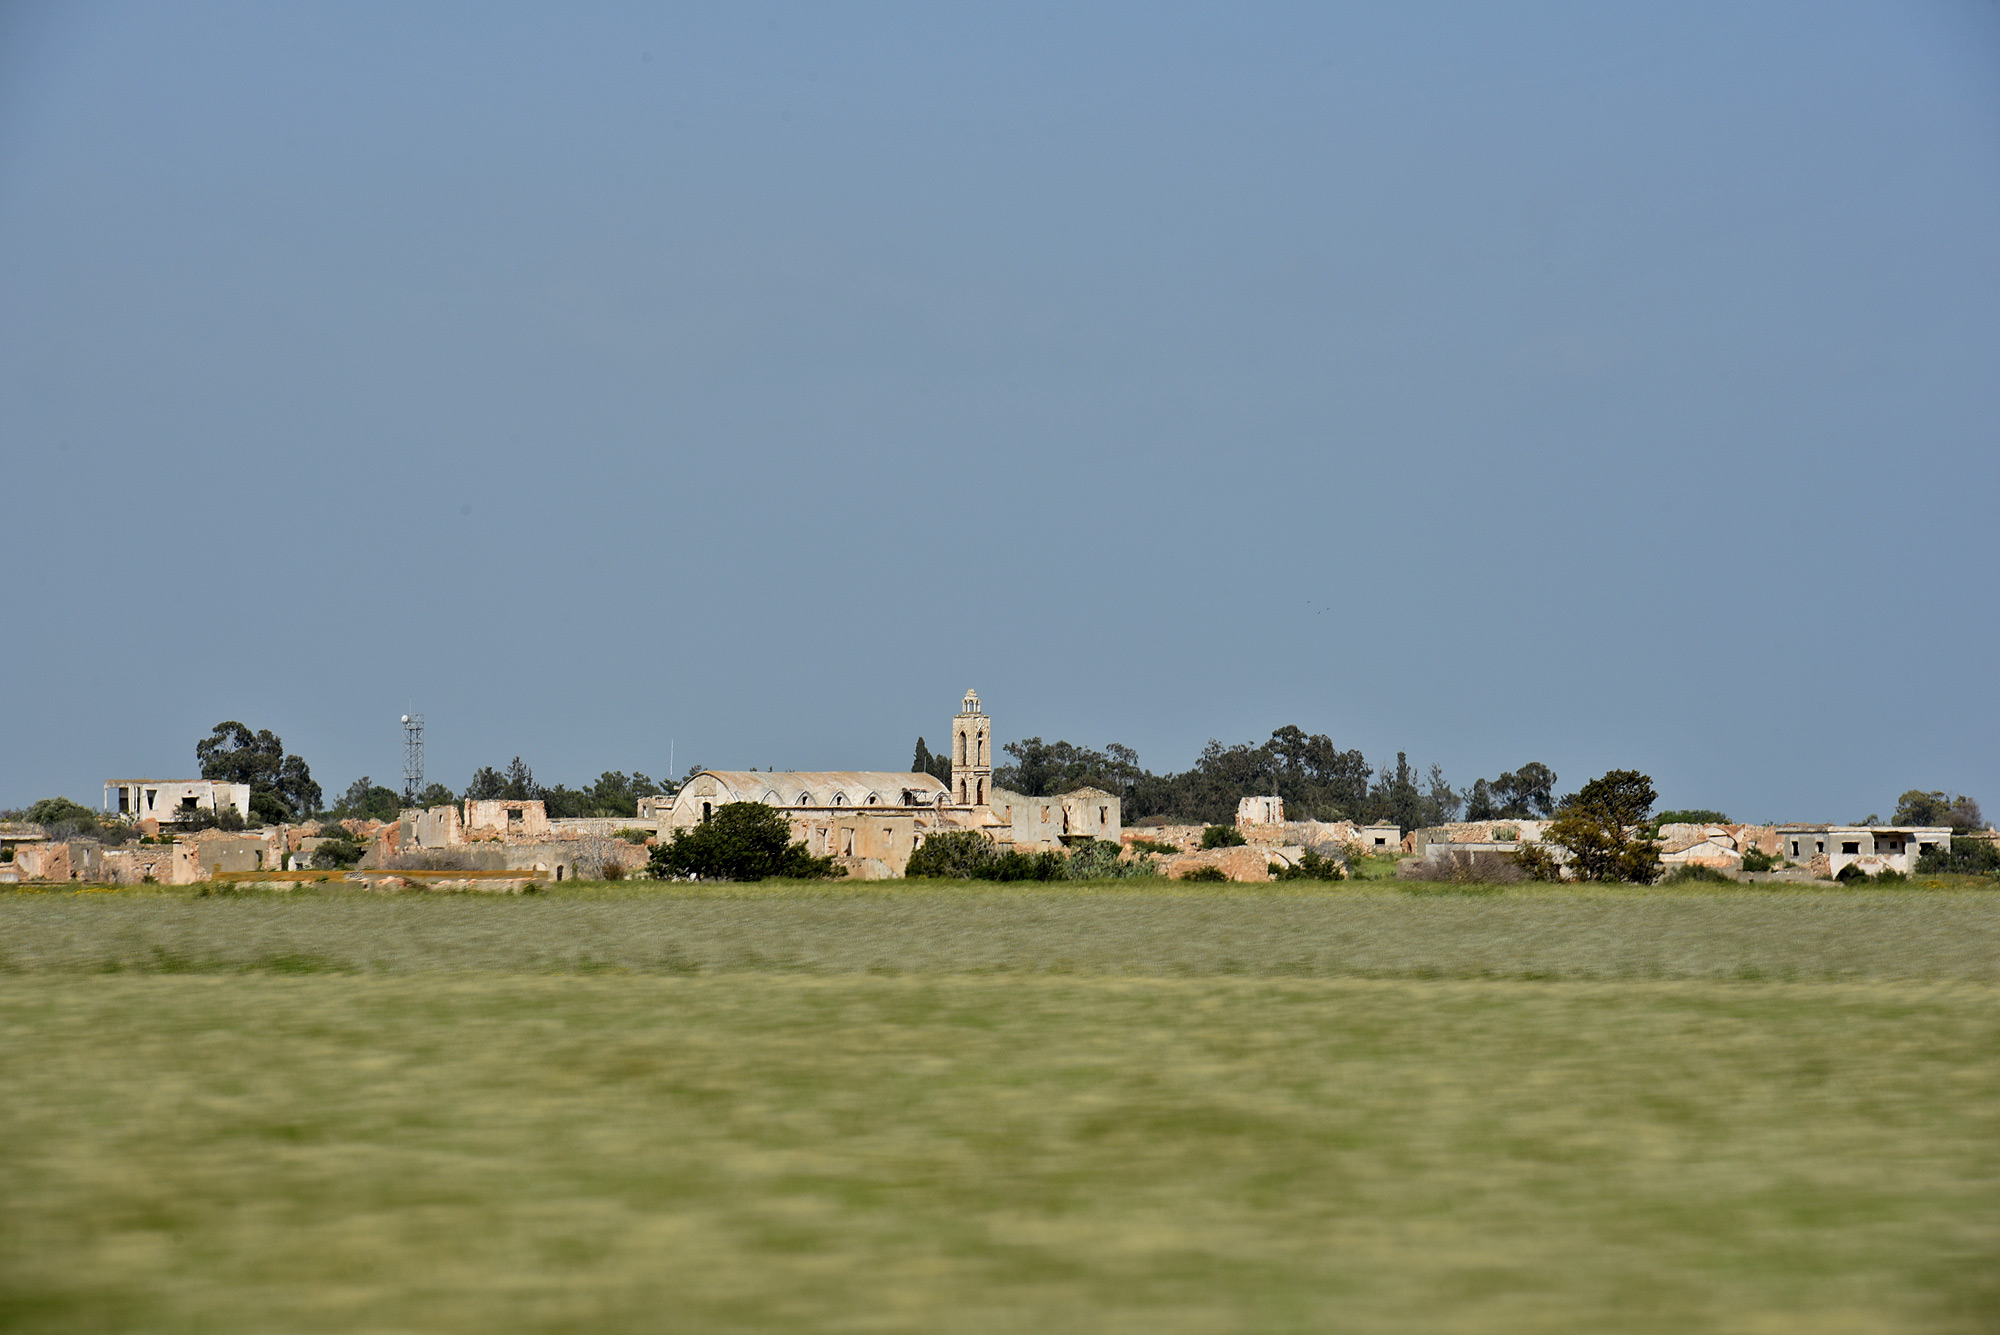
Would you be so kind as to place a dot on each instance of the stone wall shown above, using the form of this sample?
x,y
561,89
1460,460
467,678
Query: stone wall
x,y
1244,862
1475,832
526,821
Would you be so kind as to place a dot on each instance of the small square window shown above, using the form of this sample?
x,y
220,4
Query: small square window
x,y
1853,846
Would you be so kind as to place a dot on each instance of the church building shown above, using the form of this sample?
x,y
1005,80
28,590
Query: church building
x,y
872,820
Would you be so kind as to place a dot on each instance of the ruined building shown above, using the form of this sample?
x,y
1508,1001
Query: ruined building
x,y
171,800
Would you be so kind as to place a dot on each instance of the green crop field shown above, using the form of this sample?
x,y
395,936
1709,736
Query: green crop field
x,y
955,1108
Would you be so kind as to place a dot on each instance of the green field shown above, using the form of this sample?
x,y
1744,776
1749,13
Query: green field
x,y
925,1108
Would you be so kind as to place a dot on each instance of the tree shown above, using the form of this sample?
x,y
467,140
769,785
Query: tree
x,y
1396,796
232,753
1604,827
521,786
1937,807
1970,857
1441,802
367,800
938,767
1521,794
616,794
435,794
488,785
62,818
742,841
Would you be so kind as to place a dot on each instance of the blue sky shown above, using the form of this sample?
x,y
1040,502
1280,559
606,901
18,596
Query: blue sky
x,y
1608,386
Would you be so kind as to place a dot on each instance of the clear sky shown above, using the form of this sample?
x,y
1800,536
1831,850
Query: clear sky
x,y
1613,386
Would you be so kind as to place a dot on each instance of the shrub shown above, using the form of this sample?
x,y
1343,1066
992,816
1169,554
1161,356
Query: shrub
x,y
1537,863
953,855
1698,816
340,849
1850,874
63,819
1152,846
1026,867
1757,860
1100,860
1312,867
612,870
1692,871
633,835
1891,877
1222,836
1468,868
1967,857
1204,873
742,841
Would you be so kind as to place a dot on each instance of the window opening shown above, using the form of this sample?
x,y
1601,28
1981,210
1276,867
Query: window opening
x,y
1853,846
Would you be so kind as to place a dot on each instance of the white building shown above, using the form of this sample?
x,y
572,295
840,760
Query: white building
x,y
1829,849
170,800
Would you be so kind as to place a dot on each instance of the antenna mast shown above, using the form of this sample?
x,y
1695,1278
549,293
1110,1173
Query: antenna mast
x,y
413,756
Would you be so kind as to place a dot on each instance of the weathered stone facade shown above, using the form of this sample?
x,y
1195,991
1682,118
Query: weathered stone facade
x,y
1827,850
170,800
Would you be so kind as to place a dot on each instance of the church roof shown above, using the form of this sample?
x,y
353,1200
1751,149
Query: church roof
x,y
819,787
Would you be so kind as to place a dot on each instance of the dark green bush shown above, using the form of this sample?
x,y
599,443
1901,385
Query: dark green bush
x,y
1965,857
1222,836
1755,860
959,855
1688,872
1204,874
742,841
1026,867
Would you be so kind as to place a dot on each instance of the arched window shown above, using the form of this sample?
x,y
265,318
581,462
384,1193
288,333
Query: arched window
x,y
772,799
805,799
840,799
980,800
961,748
873,800
705,810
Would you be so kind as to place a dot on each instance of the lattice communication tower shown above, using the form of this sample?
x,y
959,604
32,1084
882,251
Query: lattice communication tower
x,y
413,756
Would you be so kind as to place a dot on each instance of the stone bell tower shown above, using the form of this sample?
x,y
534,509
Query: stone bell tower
x,y
971,754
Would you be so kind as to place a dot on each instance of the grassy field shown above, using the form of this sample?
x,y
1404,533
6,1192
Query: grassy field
x,y
947,1108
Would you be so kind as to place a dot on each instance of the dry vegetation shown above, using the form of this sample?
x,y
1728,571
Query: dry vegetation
x,y
1363,1110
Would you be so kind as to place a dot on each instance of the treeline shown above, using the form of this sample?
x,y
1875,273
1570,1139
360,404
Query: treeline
x,y
1317,779
613,794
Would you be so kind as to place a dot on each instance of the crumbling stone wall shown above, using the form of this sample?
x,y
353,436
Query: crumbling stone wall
x,y
525,822
42,862
1244,862
1475,832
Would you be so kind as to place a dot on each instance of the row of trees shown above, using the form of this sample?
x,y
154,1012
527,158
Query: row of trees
x,y
282,787
1317,779
613,794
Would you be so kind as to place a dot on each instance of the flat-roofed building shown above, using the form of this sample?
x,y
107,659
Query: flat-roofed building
x,y
170,801
1827,850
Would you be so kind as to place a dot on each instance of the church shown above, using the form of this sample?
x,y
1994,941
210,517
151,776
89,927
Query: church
x,y
872,820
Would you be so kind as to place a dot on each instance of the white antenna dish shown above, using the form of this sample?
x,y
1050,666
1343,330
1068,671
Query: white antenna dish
x,y
406,718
